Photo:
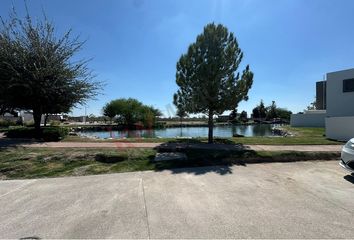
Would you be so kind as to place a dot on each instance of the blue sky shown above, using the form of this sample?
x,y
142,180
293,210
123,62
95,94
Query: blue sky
x,y
135,44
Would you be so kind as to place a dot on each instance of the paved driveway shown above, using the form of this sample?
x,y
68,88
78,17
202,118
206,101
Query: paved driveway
x,y
275,200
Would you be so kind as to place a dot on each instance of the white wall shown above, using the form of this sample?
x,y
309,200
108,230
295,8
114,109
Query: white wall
x,y
339,103
27,117
314,111
340,128
308,120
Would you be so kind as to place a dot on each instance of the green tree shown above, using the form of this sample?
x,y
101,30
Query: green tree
x,y
38,71
207,78
148,115
243,116
283,113
312,105
233,115
4,108
272,111
131,111
157,112
259,111
126,110
181,113
109,111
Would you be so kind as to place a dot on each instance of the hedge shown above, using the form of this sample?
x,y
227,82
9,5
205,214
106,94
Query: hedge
x,y
54,133
7,123
47,133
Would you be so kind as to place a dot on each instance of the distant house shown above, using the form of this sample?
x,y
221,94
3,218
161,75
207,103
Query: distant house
x,y
76,119
334,101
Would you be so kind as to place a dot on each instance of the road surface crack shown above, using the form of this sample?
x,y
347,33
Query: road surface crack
x,y
145,207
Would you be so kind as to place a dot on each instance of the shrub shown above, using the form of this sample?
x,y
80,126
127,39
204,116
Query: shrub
x,y
54,123
21,132
47,134
29,123
51,134
6,123
160,125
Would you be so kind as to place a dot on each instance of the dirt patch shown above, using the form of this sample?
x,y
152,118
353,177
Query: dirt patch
x,y
80,171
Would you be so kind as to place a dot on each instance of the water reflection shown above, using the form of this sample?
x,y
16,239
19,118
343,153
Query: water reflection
x,y
219,131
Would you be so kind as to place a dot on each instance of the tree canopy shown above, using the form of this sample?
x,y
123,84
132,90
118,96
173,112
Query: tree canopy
x,y
38,71
206,75
131,111
259,111
181,113
312,105
283,113
233,115
243,116
270,112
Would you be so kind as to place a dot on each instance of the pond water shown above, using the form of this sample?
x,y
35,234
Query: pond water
x,y
219,131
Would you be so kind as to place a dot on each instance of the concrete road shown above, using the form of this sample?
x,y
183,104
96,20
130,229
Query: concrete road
x,y
275,200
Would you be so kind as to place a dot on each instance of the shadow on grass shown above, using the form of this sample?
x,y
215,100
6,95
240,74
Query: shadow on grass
x,y
109,158
203,157
186,144
15,142
221,161
201,140
201,161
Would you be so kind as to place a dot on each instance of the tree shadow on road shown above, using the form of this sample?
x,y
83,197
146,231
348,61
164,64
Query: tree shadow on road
x,y
202,158
221,170
32,237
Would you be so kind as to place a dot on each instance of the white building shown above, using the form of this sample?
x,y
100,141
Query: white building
x,y
310,118
340,105
338,117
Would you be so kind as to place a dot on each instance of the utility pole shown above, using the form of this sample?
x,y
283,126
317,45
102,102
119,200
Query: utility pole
x,y
85,115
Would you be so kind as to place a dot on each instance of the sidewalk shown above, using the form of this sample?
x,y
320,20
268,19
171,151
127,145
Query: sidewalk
x,y
173,146
274,201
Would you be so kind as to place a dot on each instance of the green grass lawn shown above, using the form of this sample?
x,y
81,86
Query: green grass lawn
x,y
303,136
19,163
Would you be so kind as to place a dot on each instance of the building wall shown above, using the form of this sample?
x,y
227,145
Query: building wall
x,y
308,120
27,117
340,128
321,95
339,103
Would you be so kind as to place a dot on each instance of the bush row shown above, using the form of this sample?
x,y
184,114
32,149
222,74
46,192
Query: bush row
x,y
47,133
7,123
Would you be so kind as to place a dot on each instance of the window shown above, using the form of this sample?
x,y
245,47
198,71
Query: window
x,y
348,85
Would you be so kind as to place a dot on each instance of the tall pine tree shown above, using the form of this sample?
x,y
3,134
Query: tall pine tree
x,y
207,78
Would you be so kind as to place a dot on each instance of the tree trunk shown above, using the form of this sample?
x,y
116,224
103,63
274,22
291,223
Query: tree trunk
x,y
45,120
37,115
210,125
